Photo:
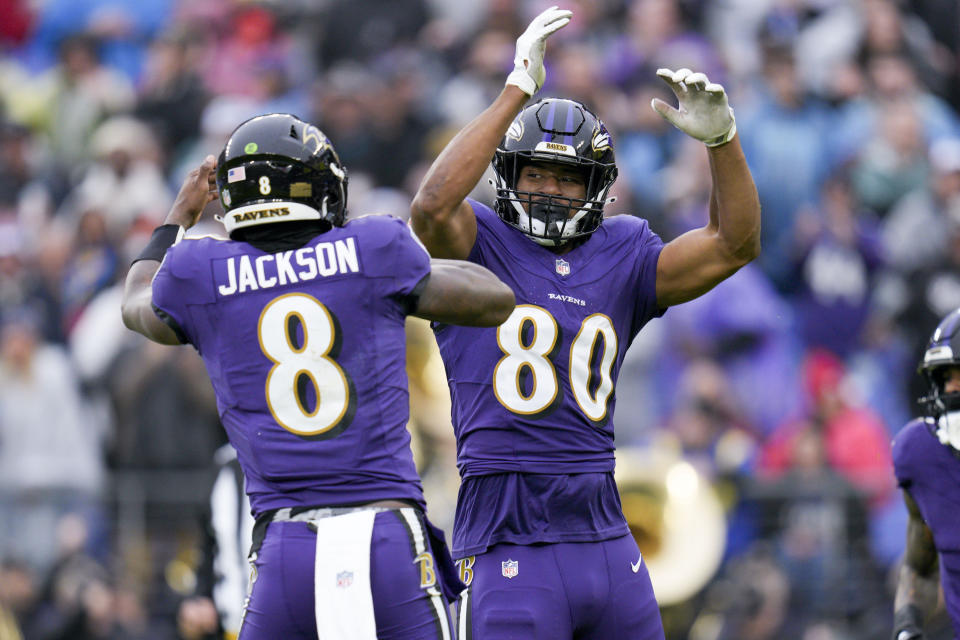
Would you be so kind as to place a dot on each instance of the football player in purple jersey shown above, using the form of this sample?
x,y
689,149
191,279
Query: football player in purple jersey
x,y
539,532
926,461
299,318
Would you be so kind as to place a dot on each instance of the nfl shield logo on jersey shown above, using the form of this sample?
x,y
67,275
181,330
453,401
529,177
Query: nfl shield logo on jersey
x,y
344,579
510,568
563,267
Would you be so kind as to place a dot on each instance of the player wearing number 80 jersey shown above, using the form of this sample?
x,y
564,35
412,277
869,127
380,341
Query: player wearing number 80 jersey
x,y
553,362
539,530
299,318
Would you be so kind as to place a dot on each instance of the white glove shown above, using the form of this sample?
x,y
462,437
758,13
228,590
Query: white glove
x,y
704,113
528,72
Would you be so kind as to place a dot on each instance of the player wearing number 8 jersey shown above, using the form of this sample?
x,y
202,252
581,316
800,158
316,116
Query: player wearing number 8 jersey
x,y
539,531
299,318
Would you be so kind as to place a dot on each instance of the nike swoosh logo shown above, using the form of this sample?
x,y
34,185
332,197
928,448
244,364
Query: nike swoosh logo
x,y
636,567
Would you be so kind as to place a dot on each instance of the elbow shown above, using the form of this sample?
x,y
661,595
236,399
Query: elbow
x,y
499,309
126,315
505,306
746,251
424,208
751,251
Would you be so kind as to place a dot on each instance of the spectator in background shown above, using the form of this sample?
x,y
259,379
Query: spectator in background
x,y
750,340
838,255
750,601
256,59
394,119
92,267
916,232
18,597
888,29
361,36
716,436
854,440
51,460
647,145
120,29
891,89
166,410
125,180
816,519
930,293
476,80
80,600
657,35
894,161
942,18
31,191
74,97
41,271
344,106
786,141
171,95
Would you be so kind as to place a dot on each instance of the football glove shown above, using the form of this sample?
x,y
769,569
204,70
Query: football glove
x,y
703,112
528,72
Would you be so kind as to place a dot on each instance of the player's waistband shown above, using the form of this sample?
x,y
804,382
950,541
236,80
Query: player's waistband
x,y
473,468
292,514
306,514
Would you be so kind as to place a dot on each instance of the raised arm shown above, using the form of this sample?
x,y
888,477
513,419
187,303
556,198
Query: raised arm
x,y
919,582
439,213
698,260
199,188
464,293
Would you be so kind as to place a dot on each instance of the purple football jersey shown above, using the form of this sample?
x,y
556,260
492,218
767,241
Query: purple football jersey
x,y
306,352
931,473
536,394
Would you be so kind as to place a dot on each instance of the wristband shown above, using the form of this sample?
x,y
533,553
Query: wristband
x,y
164,237
907,622
520,78
727,137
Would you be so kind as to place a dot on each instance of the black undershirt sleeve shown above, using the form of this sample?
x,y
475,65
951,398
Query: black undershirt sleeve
x,y
170,322
412,299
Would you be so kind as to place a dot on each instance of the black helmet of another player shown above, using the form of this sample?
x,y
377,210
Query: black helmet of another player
x,y
943,352
557,131
278,168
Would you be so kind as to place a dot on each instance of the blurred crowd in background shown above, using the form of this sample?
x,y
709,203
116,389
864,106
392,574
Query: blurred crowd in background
x,y
781,389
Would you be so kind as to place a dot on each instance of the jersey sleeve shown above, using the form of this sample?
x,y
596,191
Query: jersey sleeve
x,y
646,247
908,452
412,263
174,291
398,258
